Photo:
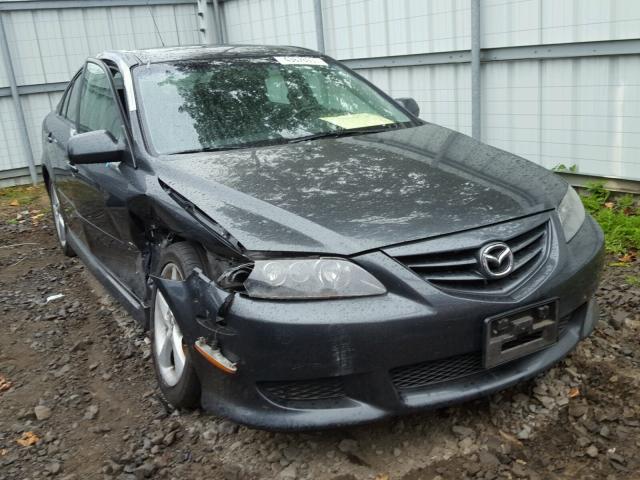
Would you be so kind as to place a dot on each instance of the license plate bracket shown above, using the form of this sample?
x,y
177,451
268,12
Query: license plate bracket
x,y
520,332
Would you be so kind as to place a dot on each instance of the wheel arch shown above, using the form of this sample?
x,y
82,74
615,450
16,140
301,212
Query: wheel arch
x,y
159,236
160,217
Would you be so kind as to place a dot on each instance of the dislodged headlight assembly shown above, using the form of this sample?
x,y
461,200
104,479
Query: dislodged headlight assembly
x,y
310,278
571,213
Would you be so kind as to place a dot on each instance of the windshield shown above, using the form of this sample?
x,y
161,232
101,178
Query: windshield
x,y
209,105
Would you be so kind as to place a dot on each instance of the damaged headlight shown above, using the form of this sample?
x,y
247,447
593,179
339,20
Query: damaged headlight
x,y
310,278
571,213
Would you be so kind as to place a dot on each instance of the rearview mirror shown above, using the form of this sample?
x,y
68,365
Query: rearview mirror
x,y
410,104
98,146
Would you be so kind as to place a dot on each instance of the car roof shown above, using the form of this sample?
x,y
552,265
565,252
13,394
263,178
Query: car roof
x,y
204,52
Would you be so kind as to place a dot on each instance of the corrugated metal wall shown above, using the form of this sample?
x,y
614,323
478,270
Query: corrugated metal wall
x,y
49,45
375,28
271,22
583,111
572,111
531,22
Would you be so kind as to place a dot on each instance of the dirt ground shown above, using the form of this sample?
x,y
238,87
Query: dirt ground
x,y
78,398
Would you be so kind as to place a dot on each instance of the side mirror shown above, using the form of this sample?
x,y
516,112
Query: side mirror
x,y
98,146
409,104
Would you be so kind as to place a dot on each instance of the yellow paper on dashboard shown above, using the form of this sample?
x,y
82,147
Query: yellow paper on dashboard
x,y
357,120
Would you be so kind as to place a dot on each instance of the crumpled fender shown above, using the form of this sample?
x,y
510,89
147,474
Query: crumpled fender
x,y
198,305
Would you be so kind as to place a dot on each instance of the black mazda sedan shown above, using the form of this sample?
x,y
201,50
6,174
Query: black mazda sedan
x,y
304,250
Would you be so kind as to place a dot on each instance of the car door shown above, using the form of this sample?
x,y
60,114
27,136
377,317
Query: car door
x,y
59,126
102,191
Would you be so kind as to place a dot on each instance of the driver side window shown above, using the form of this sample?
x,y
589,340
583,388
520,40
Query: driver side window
x,y
98,107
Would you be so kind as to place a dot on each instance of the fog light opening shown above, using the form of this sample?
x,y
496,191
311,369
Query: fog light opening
x,y
215,357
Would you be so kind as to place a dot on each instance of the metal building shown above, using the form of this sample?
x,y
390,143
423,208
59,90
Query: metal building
x,y
556,81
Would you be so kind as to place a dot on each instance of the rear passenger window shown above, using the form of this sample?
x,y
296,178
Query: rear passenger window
x,y
98,107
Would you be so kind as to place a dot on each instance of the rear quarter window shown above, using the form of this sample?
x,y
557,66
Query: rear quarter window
x,y
71,101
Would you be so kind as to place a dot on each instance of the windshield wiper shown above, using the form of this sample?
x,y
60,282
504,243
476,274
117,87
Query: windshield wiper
x,y
346,133
306,138
209,149
239,146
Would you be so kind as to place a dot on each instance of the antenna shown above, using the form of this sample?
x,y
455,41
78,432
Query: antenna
x,y
155,24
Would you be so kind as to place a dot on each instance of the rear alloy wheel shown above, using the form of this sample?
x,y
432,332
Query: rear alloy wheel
x,y
58,221
171,356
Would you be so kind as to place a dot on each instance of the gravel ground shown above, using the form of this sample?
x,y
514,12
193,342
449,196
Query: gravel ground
x,y
78,398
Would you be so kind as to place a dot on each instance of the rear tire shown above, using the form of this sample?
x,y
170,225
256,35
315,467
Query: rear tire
x,y
59,222
172,359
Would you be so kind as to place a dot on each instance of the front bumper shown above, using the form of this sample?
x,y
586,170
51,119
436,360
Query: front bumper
x,y
319,364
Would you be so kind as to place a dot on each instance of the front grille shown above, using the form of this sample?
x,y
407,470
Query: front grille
x,y
563,324
305,390
424,374
460,270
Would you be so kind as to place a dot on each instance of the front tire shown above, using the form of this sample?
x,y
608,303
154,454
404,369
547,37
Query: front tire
x,y
176,376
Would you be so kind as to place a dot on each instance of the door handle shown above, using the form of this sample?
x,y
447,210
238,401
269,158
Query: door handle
x,y
51,138
73,168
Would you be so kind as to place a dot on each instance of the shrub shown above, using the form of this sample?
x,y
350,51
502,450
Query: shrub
x,y
619,219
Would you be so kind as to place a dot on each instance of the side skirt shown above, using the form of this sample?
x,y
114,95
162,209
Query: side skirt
x,y
128,300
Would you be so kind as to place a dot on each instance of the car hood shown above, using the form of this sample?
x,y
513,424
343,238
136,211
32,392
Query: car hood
x,y
352,194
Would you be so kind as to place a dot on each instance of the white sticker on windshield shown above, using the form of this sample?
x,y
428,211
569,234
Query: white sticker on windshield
x,y
300,61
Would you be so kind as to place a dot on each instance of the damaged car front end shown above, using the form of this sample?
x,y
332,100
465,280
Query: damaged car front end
x,y
306,252
321,363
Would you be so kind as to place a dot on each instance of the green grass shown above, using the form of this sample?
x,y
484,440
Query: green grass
x,y
20,196
14,201
633,280
619,218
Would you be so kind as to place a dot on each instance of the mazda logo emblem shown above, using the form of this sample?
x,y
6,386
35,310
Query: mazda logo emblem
x,y
496,260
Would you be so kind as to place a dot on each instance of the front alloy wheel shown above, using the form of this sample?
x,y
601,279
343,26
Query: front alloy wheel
x,y
172,359
170,356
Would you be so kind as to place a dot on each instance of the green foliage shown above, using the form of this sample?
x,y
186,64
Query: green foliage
x,y
597,190
619,219
633,280
561,167
626,202
19,196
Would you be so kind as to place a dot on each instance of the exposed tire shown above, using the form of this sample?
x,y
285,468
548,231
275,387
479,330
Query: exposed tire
x,y
59,222
176,376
